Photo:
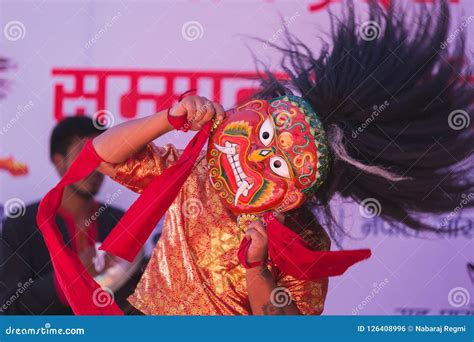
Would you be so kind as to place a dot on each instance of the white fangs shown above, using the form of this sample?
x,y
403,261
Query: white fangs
x,y
240,177
243,189
227,149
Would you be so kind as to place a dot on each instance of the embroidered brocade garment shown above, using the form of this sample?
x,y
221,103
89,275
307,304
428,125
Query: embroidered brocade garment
x,y
194,268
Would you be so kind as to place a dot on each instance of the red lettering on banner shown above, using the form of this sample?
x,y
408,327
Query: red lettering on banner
x,y
320,5
432,1
129,100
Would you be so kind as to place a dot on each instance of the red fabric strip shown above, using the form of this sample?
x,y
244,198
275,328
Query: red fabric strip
x,y
78,286
59,291
179,123
128,236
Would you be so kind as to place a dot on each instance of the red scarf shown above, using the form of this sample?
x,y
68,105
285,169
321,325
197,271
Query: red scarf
x,y
78,286
287,249
293,256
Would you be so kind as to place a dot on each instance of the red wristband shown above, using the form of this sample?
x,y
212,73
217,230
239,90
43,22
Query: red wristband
x,y
180,123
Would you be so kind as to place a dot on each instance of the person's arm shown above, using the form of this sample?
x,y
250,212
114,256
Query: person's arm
x,y
265,296
120,142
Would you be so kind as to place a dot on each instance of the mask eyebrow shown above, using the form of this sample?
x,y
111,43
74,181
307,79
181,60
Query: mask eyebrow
x,y
237,128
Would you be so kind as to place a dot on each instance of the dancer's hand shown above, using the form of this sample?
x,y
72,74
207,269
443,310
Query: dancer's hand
x,y
198,111
258,250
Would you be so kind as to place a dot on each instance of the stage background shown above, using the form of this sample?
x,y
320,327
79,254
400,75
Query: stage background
x,y
55,43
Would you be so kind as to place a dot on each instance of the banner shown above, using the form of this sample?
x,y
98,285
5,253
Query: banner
x,y
119,60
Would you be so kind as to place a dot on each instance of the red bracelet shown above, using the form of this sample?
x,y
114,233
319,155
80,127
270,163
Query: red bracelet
x,y
249,265
242,255
180,123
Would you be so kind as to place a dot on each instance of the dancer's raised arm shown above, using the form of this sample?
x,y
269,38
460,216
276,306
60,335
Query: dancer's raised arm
x,y
122,141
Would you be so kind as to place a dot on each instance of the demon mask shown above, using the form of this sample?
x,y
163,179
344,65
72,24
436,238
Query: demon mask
x,y
267,155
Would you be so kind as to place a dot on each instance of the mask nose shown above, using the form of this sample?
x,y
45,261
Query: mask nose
x,y
260,154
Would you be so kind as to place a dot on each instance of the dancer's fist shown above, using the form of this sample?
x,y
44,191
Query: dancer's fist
x,y
198,110
258,250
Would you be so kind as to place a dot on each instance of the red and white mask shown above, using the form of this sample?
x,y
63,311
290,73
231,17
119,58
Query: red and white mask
x,y
264,155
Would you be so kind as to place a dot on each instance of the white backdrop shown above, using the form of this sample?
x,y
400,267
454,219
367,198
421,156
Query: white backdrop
x,y
406,275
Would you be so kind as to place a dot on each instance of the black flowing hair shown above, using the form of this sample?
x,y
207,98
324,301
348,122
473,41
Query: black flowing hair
x,y
396,103
4,66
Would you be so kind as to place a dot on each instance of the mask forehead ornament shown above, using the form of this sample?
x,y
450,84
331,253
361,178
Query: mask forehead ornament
x,y
267,155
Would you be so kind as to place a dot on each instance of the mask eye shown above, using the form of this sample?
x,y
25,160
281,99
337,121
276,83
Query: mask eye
x,y
267,132
279,166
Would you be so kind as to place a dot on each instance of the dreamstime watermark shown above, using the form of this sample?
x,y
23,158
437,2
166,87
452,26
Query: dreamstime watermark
x,y
103,119
46,330
377,110
103,30
192,30
110,199
14,30
377,287
21,110
370,207
192,208
370,30
14,208
456,32
459,119
102,297
280,297
287,22
458,297
466,199
22,287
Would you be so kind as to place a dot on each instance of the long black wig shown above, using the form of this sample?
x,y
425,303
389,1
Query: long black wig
x,y
394,97
4,66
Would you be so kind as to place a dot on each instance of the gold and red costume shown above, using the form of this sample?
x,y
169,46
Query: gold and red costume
x,y
194,269
265,157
